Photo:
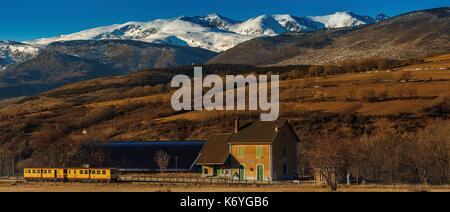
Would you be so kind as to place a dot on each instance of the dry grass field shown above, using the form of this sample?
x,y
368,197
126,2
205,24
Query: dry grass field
x,y
332,94
351,106
139,187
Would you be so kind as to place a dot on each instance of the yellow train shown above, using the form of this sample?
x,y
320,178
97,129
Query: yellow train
x,y
72,174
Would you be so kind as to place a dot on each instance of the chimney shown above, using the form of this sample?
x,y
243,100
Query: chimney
x,y
236,125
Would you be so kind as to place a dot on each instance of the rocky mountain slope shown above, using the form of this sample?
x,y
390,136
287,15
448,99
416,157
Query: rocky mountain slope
x,y
72,61
14,52
411,35
213,32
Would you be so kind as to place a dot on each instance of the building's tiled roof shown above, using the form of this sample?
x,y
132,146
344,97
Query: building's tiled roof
x,y
258,132
215,151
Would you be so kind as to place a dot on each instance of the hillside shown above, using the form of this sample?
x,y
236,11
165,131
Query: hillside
x,y
49,70
14,52
412,35
137,107
72,61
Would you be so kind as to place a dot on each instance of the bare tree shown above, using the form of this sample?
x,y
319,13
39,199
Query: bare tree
x,y
406,76
329,161
433,155
162,159
350,95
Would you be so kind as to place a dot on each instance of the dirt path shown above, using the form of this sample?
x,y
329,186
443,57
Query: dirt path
x,y
84,187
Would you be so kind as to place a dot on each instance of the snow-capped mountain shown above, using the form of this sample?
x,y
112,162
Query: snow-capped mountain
x,y
298,24
213,32
14,52
218,21
263,25
381,17
343,19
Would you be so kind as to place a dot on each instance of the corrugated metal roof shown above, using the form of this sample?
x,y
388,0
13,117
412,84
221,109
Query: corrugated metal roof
x,y
140,155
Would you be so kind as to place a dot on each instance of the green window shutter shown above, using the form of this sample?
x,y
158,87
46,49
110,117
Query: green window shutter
x,y
241,151
259,151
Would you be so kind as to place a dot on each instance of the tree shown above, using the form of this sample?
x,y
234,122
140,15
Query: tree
x,y
162,159
329,159
406,76
350,94
315,71
368,95
433,153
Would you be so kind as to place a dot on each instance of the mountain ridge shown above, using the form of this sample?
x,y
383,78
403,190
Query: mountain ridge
x,y
407,36
213,32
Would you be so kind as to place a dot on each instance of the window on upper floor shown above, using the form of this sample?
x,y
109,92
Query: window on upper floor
x,y
241,151
259,151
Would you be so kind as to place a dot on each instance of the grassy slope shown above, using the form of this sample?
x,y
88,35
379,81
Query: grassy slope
x,y
117,109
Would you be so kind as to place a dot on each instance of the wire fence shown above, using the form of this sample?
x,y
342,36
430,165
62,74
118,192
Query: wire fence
x,y
189,180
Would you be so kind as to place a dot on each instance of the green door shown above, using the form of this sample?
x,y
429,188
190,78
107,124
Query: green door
x,y
218,171
241,172
260,169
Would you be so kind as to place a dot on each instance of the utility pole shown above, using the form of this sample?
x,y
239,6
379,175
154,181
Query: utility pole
x,y
176,163
12,165
1,164
18,165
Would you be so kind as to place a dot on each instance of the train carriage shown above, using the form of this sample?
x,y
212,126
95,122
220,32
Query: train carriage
x,y
32,173
72,174
53,174
101,174
78,174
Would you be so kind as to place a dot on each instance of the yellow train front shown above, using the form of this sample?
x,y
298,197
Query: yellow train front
x,y
71,174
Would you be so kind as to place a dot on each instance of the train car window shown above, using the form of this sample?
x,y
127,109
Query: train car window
x,y
45,171
103,172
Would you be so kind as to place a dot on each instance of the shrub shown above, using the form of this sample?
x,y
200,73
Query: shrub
x,y
406,76
383,94
350,95
368,95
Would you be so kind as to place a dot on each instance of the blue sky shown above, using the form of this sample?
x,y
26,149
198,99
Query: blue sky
x,y
29,19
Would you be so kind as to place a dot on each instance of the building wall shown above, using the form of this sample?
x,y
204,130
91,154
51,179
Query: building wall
x,y
208,171
214,170
287,140
251,161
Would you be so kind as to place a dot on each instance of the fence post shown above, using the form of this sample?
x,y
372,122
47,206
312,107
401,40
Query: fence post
x,y
1,164
12,165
